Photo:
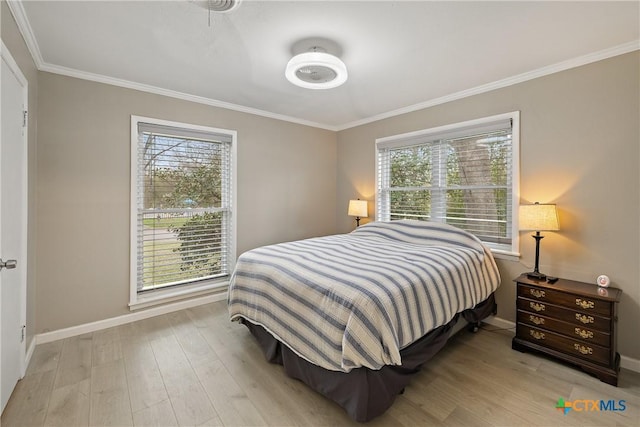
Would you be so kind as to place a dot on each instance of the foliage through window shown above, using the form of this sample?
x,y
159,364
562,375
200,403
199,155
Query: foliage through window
x,y
182,217
462,174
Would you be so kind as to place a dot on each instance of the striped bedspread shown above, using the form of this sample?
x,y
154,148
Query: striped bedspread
x,y
357,299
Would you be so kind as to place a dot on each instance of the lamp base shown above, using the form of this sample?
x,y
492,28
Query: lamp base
x,y
536,275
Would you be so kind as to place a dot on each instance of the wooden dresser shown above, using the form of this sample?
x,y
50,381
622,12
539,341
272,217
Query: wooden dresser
x,y
572,321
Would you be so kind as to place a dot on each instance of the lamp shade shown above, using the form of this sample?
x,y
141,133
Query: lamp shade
x,y
539,217
358,208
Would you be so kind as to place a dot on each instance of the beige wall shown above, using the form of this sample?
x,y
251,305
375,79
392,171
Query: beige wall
x,y
15,44
286,189
579,148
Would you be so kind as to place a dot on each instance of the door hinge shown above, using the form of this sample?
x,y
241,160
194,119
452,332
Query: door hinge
x,y
24,118
22,332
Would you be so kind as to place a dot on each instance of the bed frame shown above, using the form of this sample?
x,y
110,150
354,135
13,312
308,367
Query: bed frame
x,y
365,393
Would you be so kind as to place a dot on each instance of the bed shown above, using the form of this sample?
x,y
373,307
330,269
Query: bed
x,y
355,315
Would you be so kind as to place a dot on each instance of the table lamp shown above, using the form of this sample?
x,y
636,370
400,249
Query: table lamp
x,y
538,217
358,208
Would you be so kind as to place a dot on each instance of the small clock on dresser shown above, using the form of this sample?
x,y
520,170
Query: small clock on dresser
x,y
572,321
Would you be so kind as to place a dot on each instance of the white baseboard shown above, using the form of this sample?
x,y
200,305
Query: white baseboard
x,y
629,363
27,357
625,361
499,322
126,318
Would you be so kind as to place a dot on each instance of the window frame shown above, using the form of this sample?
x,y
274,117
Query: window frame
x,y
422,137
139,300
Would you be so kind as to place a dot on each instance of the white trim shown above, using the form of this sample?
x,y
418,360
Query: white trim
x,y
19,14
99,78
24,26
6,56
630,363
499,84
137,301
625,361
499,322
449,130
175,294
127,318
506,255
30,349
481,124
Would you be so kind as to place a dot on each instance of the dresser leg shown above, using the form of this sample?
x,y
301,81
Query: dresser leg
x,y
605,377
517,346
609,376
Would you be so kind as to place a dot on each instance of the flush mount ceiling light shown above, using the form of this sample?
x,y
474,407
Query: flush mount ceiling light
x,y
219,6
316,69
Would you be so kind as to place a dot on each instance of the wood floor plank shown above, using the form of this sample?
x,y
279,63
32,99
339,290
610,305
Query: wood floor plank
x,y
229,400
45,357
70,405
406,413
155,327
261,381
188,334
160,414
463,417
28,403
173,363
191,404
195,367
426,396
110,404
146,386
75,360
188,398
106,346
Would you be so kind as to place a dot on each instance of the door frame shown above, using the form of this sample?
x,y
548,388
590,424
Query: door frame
x,y
5,55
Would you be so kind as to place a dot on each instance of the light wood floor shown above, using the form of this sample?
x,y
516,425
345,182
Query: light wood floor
x,y
194,367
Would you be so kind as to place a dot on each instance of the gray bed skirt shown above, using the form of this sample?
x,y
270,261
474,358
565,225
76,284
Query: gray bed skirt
x,y
365,393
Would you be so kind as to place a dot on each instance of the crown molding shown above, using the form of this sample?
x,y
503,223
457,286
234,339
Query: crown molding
x,y
19,15
509,81
99,78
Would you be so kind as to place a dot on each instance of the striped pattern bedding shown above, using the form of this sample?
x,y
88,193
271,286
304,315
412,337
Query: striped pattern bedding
x,y
357,299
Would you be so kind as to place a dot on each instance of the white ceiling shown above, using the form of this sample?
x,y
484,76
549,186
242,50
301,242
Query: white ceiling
x,y
400,55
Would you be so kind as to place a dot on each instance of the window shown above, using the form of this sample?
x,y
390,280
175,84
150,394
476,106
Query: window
x,y
464,174
182,219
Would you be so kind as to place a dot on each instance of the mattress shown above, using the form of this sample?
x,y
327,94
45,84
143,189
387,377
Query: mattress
x,y
356,300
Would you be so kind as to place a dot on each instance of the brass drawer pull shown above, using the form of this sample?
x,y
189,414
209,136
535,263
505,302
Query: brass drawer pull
x,y
536,293
584,303
582,349
583,333
584,319
536,306
537,320
537,335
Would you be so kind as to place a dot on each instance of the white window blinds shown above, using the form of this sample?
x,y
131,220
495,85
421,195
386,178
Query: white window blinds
x,y
183,205
462,175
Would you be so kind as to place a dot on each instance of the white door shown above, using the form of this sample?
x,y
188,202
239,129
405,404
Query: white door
x,y
13,224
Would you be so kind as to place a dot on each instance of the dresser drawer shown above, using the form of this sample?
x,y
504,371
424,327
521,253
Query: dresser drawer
x,y
578,318
583,333
575,302
571,321
591,352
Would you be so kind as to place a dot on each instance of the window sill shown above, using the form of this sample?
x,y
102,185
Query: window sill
x,y
506,255
174,294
